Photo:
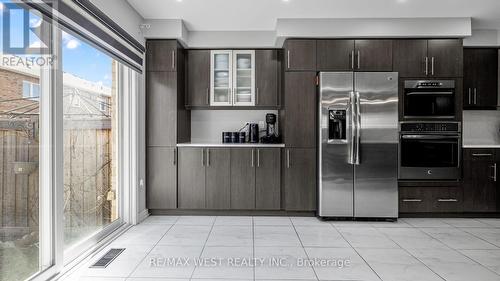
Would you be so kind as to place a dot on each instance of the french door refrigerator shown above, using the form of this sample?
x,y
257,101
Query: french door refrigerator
x,y
358,144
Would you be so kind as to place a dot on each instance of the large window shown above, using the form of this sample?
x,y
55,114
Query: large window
x,y
90,139
61,147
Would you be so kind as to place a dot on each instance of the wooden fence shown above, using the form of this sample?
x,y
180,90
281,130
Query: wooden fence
x,y
87,177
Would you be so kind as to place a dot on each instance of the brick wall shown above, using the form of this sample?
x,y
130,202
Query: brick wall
x,y
11,88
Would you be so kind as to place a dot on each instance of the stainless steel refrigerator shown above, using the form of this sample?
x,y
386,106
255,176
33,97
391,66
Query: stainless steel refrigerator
x,y
358,144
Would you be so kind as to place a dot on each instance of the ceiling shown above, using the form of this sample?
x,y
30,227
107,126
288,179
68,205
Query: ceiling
x,y
245,15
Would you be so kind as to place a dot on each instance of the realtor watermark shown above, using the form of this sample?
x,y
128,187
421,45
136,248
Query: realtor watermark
x,y
26,36
249,262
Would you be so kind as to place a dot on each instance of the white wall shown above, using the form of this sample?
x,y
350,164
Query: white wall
x,y
123,14
483,38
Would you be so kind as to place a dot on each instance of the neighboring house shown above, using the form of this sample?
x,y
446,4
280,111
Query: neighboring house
x,y
20,92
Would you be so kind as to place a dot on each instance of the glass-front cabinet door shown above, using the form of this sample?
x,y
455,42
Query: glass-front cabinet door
x,y
221,78
244,78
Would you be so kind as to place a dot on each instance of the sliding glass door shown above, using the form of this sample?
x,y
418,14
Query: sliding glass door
x,y
61,143
90,124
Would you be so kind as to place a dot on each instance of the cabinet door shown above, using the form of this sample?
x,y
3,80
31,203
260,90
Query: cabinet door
x,y
161,116
300,109
161,55
335,55
480,78
243,78
300,55
243,178
221,71
268,179
410,57
191,181
161,178
414,200
373,55
480,188
266,77
198,78
446,57
218,178
300,179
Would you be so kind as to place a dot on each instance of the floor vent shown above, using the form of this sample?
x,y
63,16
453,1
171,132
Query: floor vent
x,y
108,258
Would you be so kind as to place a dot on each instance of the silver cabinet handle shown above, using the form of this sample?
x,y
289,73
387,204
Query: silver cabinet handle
x,y
258,157
352,59
358,127
252,163
475,95
412,200
482,154
447,200
359,59
494,177
256,96
208,157
208,96
432,66
470,95
288,158
173,59
426,66
175,156
203,157
288,59
353,128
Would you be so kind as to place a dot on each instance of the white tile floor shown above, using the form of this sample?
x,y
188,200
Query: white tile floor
x,y
276,248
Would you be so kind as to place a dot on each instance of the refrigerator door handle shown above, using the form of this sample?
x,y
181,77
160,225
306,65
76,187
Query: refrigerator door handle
x,y
358,127
352,116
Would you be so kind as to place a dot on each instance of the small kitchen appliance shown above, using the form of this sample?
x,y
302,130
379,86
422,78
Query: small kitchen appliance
x,y
271,132
253,133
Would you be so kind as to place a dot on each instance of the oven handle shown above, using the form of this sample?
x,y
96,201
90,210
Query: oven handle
x,y
428,93
430,137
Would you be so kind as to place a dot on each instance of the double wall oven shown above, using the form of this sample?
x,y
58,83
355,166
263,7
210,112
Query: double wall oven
x,y
430,137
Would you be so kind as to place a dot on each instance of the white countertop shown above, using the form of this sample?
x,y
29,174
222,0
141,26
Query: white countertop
x,y
481,146
190,144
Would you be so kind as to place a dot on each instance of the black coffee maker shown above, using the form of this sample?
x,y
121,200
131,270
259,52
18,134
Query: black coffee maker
x,y
271,133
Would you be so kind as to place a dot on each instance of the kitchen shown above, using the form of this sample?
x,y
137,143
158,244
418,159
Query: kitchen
x,y
254,140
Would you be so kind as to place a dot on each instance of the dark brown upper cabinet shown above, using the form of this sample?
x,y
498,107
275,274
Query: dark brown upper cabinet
x,y
335,55
300,109
481,180
428,58
480,78
161,55
198,77
373,55
300,55
267,73
354,55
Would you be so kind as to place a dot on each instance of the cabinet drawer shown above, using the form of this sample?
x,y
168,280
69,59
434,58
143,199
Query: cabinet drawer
x,y
430,199
482,154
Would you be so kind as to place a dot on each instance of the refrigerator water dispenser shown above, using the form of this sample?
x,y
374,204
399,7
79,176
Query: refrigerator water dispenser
x,y
337,125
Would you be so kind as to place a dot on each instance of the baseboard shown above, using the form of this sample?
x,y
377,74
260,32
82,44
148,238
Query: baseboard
x,y
142,215
449,215
232,212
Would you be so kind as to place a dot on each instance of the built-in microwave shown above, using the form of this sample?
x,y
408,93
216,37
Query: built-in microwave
x,y
429,99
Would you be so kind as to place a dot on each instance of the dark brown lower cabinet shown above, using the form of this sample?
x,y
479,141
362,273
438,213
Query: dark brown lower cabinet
x,y
191,185
217,178
431,199
268,179
161,178
243,164
481,180
299,179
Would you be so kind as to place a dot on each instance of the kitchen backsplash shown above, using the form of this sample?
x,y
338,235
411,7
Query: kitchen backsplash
x,y
481,127
208,125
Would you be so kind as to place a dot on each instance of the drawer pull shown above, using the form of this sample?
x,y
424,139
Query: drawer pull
x,y
494,177
412,200
482,154
447,200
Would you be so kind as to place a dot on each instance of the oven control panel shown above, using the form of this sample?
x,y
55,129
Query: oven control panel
x,y
430,127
